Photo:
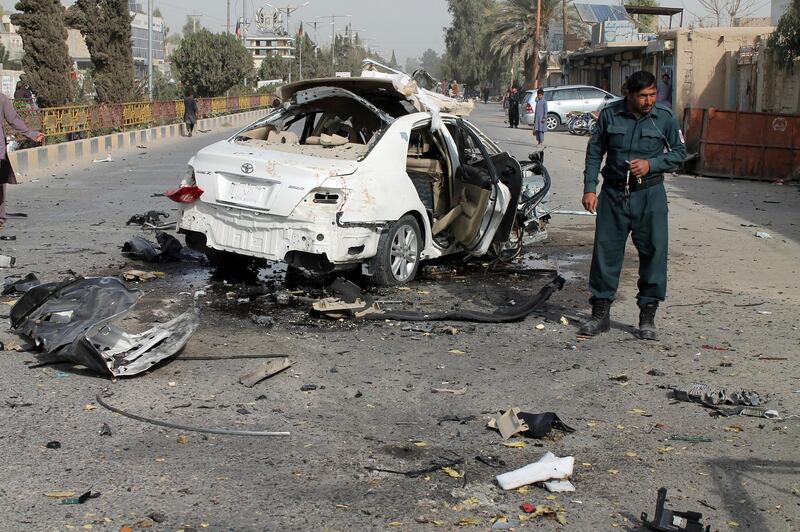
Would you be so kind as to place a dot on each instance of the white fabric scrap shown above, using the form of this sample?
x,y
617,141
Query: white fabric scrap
x,y
548,467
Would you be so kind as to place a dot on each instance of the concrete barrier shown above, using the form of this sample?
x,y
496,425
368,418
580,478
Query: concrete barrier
x,y
30,163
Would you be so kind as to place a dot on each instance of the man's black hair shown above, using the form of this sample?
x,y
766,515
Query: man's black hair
x,y
540,91
640,80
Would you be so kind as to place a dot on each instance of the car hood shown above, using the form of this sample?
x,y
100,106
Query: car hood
x,y
232,174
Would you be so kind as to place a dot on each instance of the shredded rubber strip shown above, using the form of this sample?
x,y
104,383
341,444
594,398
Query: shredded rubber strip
x,y
500,315
227,432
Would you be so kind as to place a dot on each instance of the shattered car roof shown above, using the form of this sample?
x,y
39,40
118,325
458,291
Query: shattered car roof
x,y
373,84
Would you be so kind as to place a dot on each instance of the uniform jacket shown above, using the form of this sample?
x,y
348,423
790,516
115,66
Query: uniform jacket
x,y
10,116
620,136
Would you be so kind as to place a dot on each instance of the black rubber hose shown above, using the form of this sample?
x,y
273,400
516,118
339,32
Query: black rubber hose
x,y
227,432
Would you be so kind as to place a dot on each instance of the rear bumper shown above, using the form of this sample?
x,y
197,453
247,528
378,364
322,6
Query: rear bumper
x,y
270,237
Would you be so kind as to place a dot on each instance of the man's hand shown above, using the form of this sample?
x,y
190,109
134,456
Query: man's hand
x,y
640,168
39,138
590,202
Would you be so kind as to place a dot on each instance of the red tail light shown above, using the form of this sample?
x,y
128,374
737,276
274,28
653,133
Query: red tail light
x,y
185,194
528,108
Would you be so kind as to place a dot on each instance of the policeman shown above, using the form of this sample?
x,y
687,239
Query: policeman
x,y
641,140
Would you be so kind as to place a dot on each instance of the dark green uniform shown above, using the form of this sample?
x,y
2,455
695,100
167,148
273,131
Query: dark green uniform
x,y
642,209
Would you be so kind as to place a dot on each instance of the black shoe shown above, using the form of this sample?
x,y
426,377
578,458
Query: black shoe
x,y
647,322
601,319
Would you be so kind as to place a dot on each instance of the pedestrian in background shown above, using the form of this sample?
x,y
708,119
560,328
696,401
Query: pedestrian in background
x,y
189,112
513,108
23,94
640,140
665,91
540,117
7,175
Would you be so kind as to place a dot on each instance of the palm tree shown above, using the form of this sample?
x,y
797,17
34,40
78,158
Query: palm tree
x,y
514,31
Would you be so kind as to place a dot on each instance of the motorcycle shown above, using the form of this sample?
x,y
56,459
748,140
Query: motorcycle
x,y
581,123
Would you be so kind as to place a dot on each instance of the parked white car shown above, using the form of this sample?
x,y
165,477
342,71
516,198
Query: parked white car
x,y
561,101
370,172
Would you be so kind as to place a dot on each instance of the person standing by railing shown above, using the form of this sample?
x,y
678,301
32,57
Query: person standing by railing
x,y
10,116
190,112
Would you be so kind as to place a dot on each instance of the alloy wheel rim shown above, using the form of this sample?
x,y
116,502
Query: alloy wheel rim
x,y
403,255
551,123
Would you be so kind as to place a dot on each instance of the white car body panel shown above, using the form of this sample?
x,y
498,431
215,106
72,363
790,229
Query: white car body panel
x,y
265,200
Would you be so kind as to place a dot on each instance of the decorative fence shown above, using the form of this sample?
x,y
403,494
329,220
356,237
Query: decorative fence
x,y
85,120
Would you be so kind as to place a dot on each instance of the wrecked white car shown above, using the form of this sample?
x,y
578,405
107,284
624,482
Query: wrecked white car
x,y
371,172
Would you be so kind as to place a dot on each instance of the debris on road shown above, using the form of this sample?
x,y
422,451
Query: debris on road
x,y
20,286
7,262
266,370
548,467
105,430
149,219
73,321
169,249
763,234
559,486
513,421
414,473
226,432
673,520
460,391
713,397
508,423
142,276
82,498
108,159
53,445
353,302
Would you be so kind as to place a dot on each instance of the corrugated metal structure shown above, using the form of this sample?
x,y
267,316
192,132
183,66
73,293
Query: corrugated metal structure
x,y
736,144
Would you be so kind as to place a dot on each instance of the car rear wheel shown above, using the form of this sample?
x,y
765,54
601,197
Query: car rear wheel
x,y
552,121
399,248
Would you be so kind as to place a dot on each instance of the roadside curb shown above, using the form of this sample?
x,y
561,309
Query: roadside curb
x,y
29,164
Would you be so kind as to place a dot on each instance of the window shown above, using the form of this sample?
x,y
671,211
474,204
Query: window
x,y
548,95
566,94
592,94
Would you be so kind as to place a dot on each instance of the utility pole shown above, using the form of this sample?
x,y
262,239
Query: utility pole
x,y
564,31
333,37
228,23
150,49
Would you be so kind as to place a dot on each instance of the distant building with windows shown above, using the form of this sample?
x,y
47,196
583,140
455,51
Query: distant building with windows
x,y
139,40
265,43
77,45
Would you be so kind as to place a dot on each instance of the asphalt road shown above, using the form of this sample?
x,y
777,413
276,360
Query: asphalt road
x,y
731,320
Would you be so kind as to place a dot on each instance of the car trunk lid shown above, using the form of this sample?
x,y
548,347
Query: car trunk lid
x,y
260,179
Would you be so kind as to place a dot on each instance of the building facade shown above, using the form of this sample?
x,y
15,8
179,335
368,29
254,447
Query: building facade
x,y
265,43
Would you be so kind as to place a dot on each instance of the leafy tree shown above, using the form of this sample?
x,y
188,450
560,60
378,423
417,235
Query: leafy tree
x,y
431,62
274,67
784,42
106,27
412,64
468,56
46,62
647,23
513,28
211,63
191,26
393,61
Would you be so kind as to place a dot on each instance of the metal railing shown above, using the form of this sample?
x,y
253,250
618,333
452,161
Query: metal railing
x,y
84,121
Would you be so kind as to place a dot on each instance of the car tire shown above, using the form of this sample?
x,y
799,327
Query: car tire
x,y
553,121
227,262
398,255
